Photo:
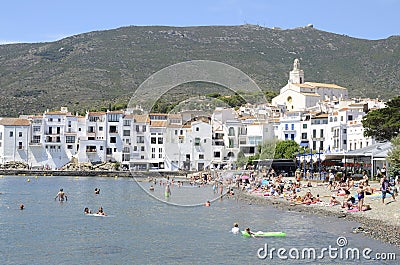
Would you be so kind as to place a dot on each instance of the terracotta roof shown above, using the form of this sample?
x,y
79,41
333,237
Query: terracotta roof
x,y
323,115
315,84
158,123
56,113
96,113
142,118
302,85
174,116
14,122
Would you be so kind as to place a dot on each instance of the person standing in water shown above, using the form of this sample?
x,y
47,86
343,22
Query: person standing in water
x,y
61,195
167,191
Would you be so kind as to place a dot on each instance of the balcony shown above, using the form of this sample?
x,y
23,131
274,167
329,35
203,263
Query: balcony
x,y
91,150
35,143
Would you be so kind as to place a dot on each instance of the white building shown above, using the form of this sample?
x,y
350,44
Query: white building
x,y
301,95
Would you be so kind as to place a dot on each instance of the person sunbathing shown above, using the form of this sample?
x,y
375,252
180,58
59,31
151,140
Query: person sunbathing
x,y
333,201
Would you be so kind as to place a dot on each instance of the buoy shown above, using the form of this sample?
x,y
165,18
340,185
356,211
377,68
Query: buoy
x,y
28,180
76,177
116,177
36,177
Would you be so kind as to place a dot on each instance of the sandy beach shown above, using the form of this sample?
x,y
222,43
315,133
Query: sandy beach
x,y
380,222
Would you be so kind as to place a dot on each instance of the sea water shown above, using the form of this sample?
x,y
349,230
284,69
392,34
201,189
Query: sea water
x,y
143,227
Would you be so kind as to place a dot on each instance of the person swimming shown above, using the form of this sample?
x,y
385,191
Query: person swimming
x,y
207,204
87,211
61,195
167,191
235,229
101,211
96,191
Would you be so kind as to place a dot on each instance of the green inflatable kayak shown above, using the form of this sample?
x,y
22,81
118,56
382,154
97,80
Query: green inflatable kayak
x,y
263,234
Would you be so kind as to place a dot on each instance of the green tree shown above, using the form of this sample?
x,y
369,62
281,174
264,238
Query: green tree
x,y
286,149
241,159
267,149
383,124
394,157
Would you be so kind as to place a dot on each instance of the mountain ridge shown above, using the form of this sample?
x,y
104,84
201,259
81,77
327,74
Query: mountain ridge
x,y
95,69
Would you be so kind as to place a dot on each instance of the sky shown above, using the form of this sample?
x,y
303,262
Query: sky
x,y
50,20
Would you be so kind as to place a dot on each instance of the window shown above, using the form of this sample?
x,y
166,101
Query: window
x,y
100,128
101,147
217,154
69,139
292,136
20,145
142,148
135,148
196,141
36,128
113,140
205,140
153,140
140,139
286,136
69,146
127,133
292,125
197,129
231,131
201,156
321,145
36,139
153,155
345,141
113,117
159,155
153,150
115,149
231,143
143,128
137,128
160,140
314,134
11,134
322,133
91,129
160,150
113,129
286,126
344,130
109,151
19,134
127,122
304,136
176,132
350,118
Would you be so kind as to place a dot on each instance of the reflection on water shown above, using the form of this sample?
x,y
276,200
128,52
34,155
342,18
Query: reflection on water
x,y
142,230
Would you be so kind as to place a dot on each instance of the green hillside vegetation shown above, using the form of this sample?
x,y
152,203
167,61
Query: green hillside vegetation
x,y
100,69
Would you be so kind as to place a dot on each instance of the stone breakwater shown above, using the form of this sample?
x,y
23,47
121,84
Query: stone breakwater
x,y
371,227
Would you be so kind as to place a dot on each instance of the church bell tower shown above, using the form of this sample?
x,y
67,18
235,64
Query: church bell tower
x,y
296,76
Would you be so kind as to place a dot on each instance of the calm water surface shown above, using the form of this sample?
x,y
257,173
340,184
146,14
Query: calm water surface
x,y
142,230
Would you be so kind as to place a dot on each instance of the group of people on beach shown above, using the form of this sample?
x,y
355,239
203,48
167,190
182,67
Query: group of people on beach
x,y
353,192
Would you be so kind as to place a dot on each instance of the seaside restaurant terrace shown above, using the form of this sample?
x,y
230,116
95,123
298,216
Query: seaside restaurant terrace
x,y
365,159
